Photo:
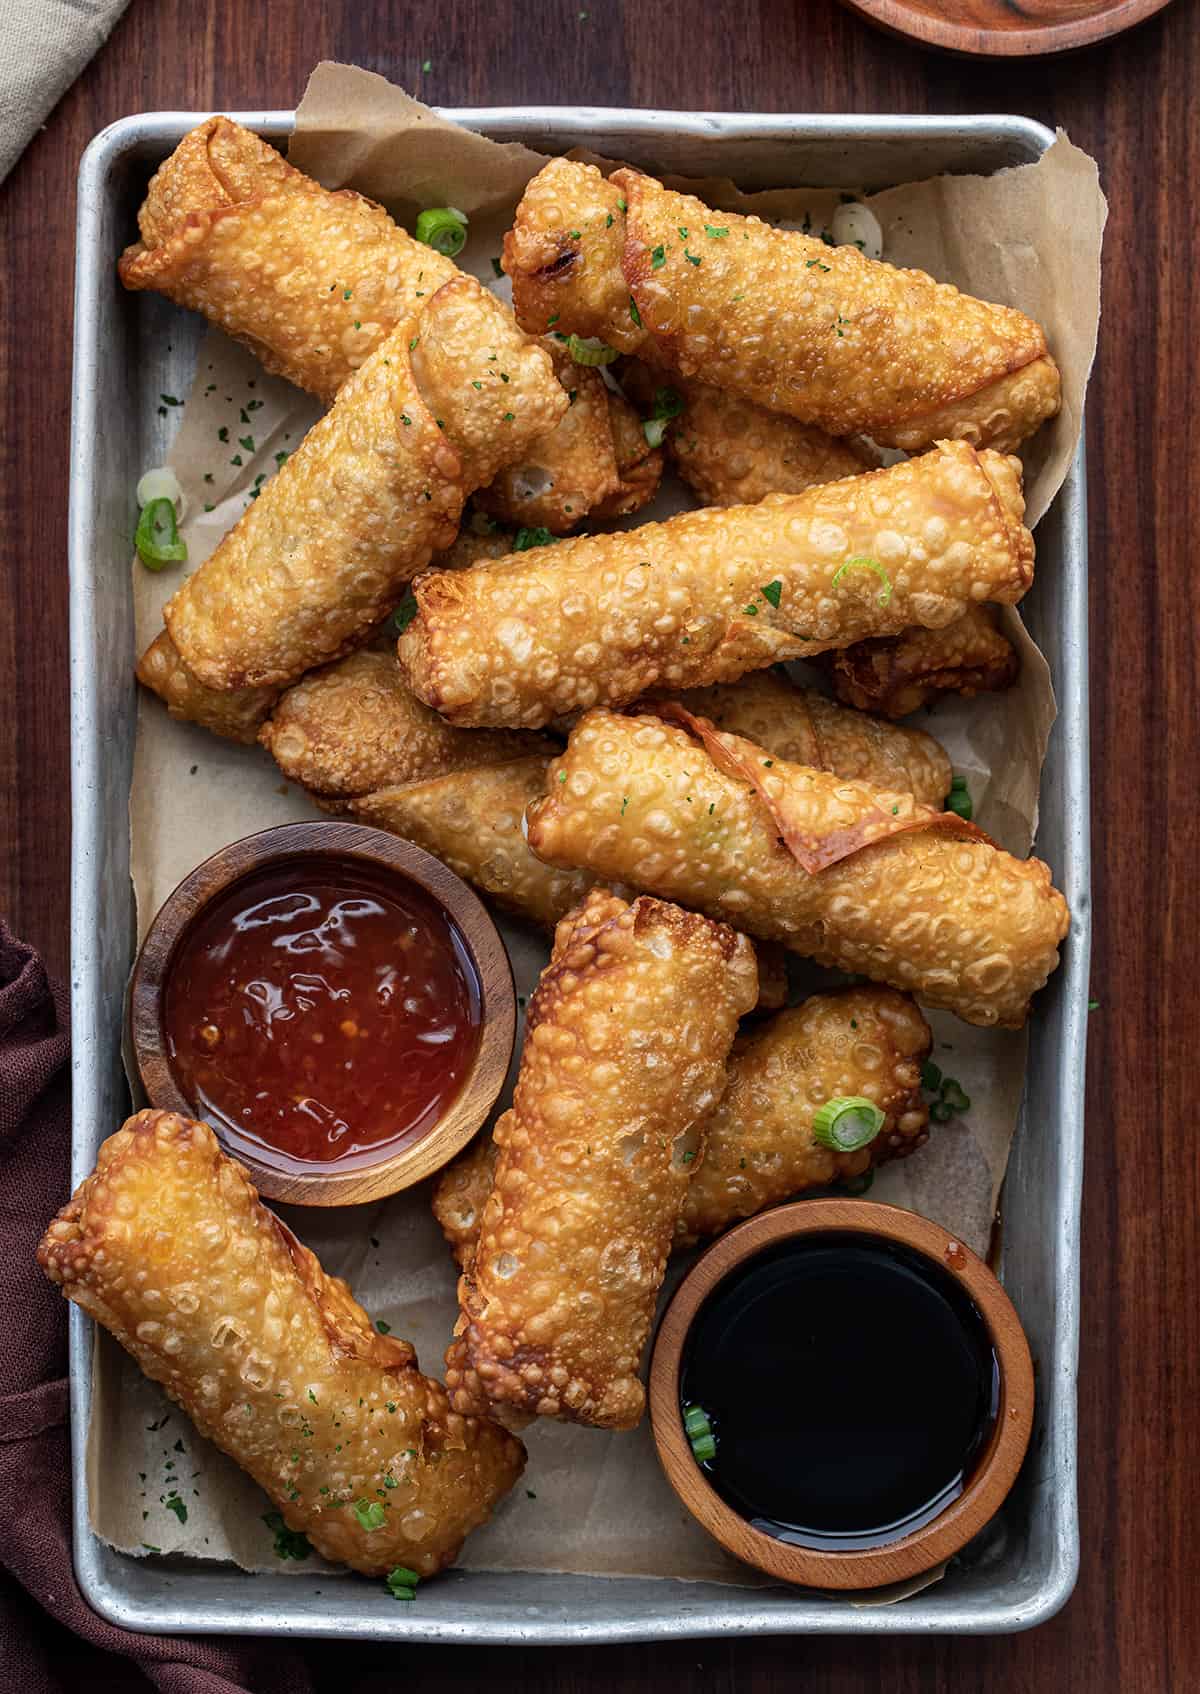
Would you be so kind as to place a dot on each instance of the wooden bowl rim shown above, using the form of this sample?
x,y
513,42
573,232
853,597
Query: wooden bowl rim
x,y
387,856
914,23
995,1471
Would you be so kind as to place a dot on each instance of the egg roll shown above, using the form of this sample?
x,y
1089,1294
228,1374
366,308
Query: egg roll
x,y
373,489
311,280
473,545
731,452
897,674
352,727
626,1041
639,466
709,595
238,714
758,1144
167,1246
802,726
861,878
472,821
821,333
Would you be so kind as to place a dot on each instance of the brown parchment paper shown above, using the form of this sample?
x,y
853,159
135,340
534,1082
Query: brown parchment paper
x,y
590,1502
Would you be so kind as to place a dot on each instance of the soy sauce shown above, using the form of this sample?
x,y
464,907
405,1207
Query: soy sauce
x,y
851,1387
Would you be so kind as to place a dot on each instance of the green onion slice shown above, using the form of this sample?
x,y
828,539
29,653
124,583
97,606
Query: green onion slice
x,y
402,1583
704,1447
444,229
699,1431
667,405
862,563
940,1112
157,538
954,1097
370,1514
526,538
590,350
958,800
848,1123
654,429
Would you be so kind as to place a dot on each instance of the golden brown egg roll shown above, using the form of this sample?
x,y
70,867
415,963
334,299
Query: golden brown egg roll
x,y
758,1143
897,674
802,726
235,713
353,727
473,545
626,1042
731,452
639,466
167,1246
373,489
822,333
312,281
709,595
856,877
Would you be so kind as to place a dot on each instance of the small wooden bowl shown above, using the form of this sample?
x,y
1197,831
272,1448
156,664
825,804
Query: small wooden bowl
x,y
1000,28
995,1470
387,858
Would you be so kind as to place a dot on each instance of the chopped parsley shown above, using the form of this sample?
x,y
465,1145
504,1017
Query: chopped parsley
x,y
634,313
622,203
382,1327
497,268
289,1543
658,258
527,538
404,614
174,1504
772,591
691,257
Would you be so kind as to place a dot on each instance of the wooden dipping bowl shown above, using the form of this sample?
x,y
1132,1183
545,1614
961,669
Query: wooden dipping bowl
x,y
995,1469
384,858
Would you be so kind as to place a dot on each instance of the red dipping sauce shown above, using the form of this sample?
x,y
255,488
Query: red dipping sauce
x,y
320,1017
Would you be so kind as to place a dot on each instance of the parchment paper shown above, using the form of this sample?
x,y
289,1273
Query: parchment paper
x,y
590,1502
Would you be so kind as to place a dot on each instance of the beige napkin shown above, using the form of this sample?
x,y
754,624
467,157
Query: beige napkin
x,y
46,45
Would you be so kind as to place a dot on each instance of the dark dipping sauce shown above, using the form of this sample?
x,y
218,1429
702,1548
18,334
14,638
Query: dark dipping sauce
x,y
321,1017
851,1386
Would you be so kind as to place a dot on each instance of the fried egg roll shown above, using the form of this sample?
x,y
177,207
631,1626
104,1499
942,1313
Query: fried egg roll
x,y
472,821
759,1148
353,727
709,595
639,466
626,1041
473,546
731,452
373,489
897,674
802,726
167,1246
822,333
863,879
312,281
238,714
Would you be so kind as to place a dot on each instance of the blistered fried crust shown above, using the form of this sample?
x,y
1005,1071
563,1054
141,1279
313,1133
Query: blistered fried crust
x,y
558,479
802,726
310,280
760,1146
168,1246
236,713
822,333
353,727
375,486
709,595
626,1042
472,821
639,466
731,452
472,546
899,673
957,922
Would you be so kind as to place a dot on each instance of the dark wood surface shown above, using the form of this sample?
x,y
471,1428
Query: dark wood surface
x,y
1134,1623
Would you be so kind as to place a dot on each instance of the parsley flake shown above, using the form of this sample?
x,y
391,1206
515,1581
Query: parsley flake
x,y
772,591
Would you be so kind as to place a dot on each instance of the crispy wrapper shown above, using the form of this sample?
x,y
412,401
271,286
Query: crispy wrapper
x,y
168,1246
353,727
474,546
472,821
709,595
898,674
626,1042
639,466
803,727
310,280
373,489
758,1145
821,333
238,714
955,921
731,452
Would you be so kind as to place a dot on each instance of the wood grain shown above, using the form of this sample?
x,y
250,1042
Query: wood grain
x,y
1007,28
995,1472
385,861
1133,1626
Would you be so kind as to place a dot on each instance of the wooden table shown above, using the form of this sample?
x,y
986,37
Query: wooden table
x,y
1134,1623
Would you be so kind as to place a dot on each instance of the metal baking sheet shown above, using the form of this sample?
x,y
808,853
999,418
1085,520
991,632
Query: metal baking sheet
x,y
129,348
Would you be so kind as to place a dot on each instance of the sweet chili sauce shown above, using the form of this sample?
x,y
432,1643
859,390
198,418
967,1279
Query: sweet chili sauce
x,y
319,1016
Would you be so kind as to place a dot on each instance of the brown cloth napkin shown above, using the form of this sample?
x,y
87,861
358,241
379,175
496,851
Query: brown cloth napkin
x,y
51,1642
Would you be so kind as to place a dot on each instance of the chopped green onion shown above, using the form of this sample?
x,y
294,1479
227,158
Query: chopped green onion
x,y
859,1185
957,782
704,1448
667,405
940,1112
444,229
863,563
959,802
527,538
931,1076
157,538
590,350
289,1543
699,1431
953,1096
1093,1005
402,1583
653,429
848,1123
404,614
370,1514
